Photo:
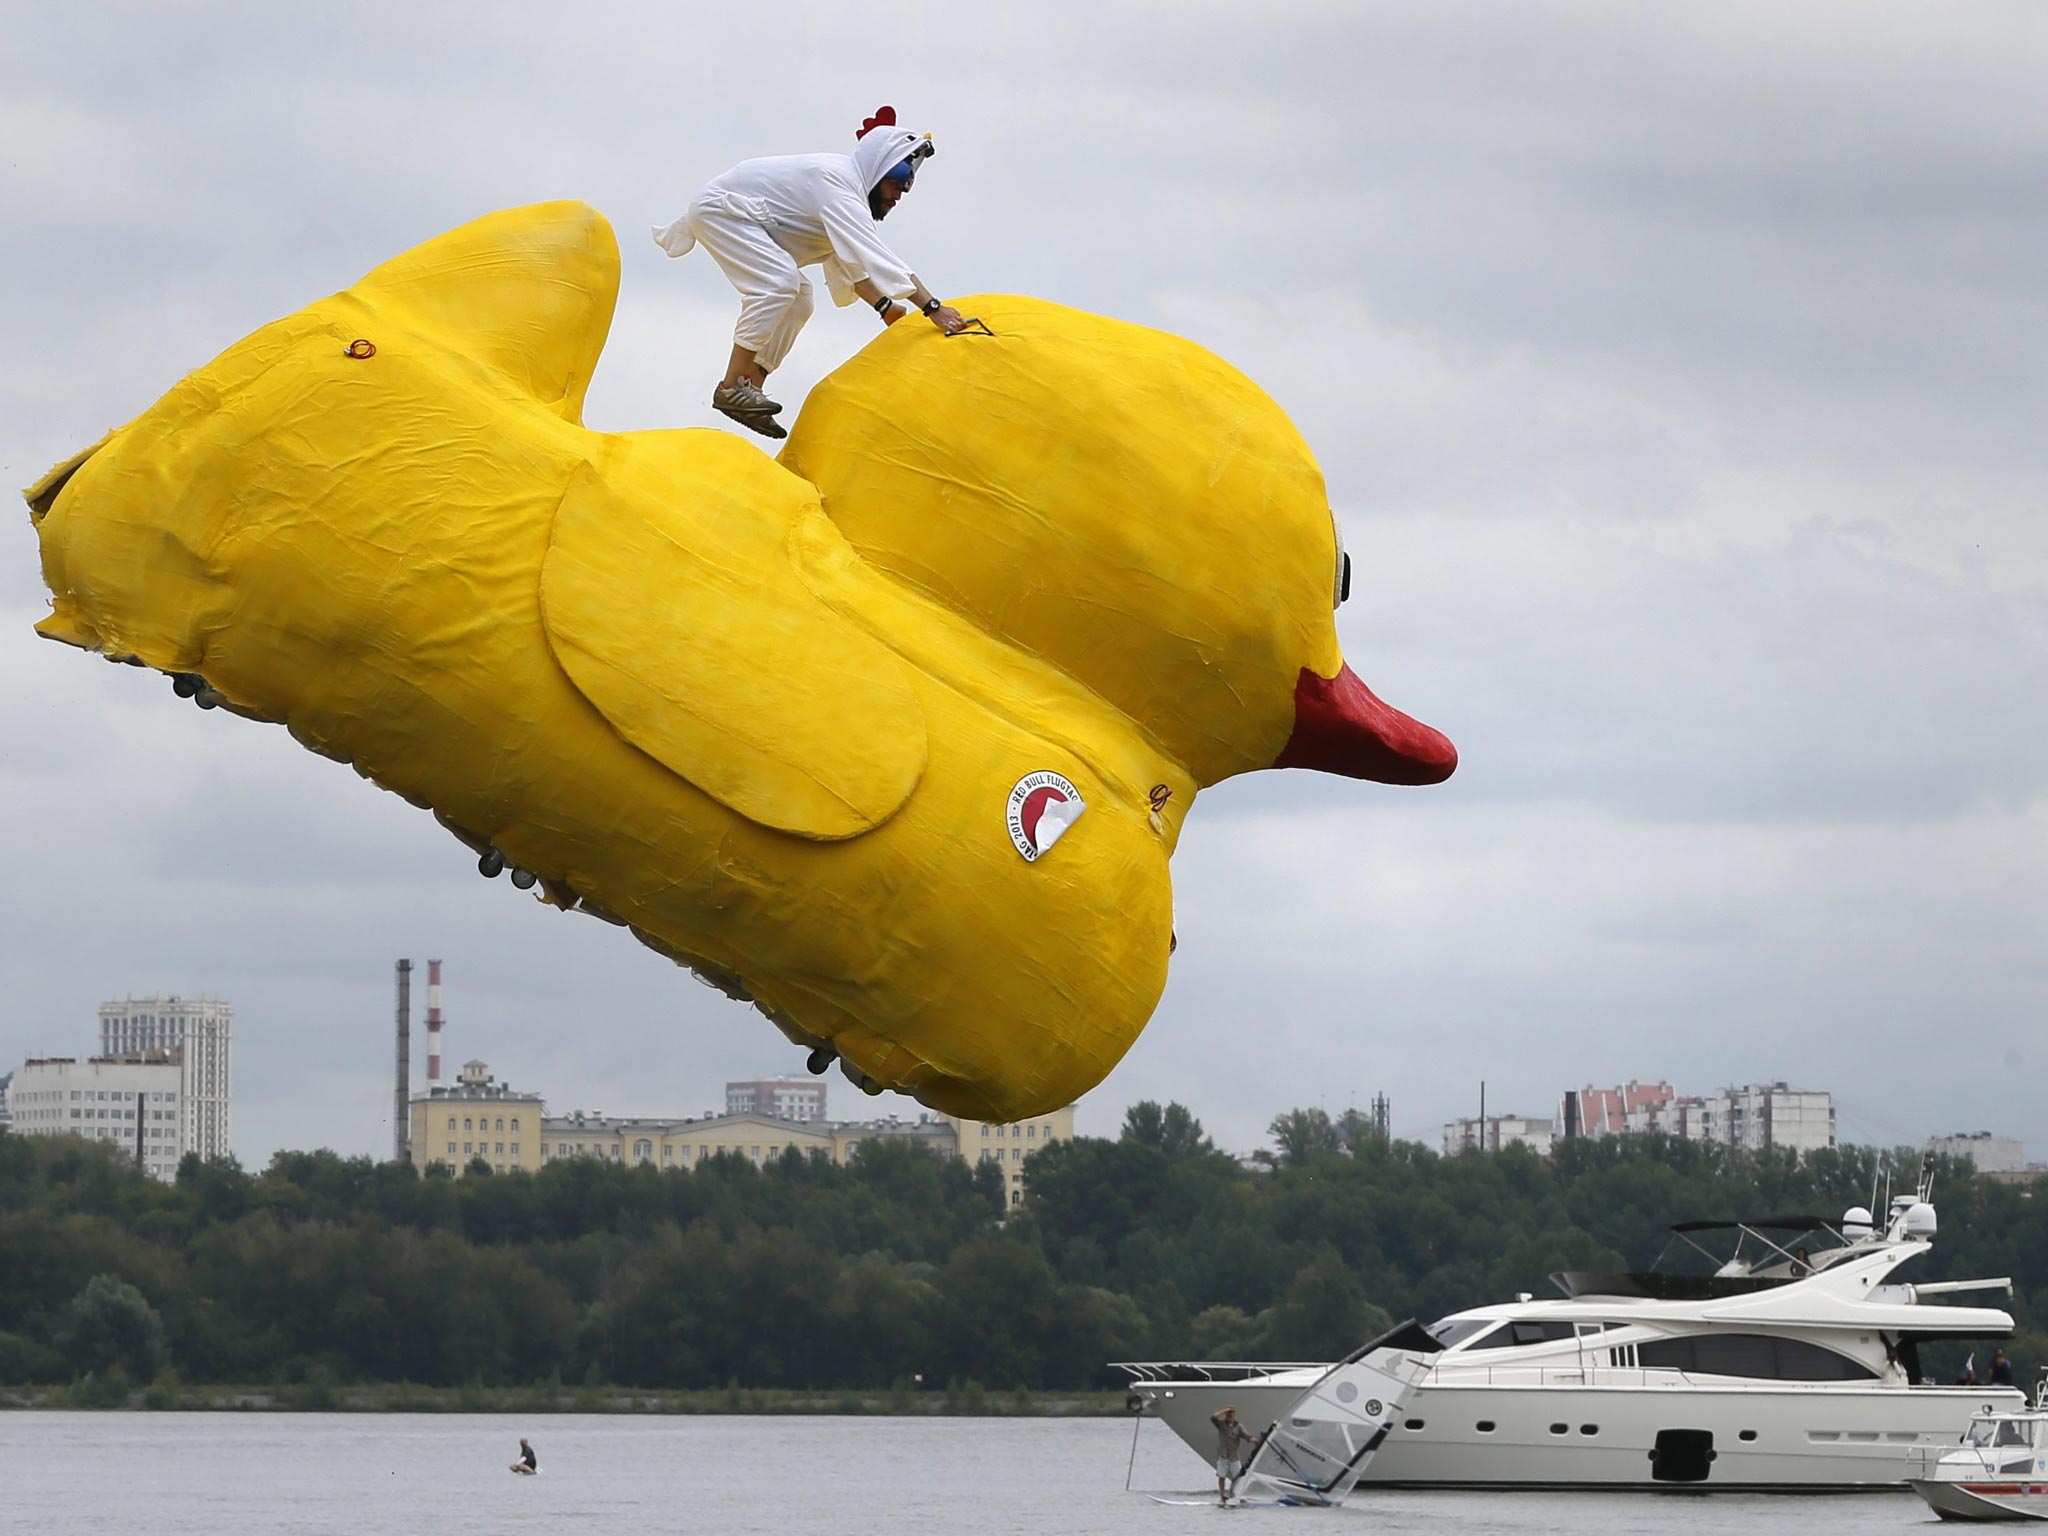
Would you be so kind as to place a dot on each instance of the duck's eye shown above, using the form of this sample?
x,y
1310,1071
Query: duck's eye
x,y
1340,587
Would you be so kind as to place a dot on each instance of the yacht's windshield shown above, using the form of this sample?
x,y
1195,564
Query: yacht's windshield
x,y
1981,1431
2015,1432
1453,1331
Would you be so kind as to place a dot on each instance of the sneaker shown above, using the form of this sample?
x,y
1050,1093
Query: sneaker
x,y
756,421
743,397
746,404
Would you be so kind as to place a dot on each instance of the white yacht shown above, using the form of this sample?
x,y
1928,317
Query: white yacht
x,y
1783,1369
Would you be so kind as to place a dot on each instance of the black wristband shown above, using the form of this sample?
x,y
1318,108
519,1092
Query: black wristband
x,y
933,304
883,305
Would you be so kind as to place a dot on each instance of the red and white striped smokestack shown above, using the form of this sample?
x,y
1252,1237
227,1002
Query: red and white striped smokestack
x,y
433,1022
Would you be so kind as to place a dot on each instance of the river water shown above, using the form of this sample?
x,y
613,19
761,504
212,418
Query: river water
x,y
260,1474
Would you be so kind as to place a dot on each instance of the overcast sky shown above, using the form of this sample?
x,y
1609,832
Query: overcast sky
x,y
1677,371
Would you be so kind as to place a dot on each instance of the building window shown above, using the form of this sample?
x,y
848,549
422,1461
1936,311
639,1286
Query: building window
x,y
451,1122
515,1122
984,1129
451,1149
465,1147
501,1122
466,1125
1031,1131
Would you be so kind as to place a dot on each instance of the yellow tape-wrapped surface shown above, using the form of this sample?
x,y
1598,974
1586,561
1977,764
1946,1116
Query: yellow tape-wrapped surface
x,y
894,736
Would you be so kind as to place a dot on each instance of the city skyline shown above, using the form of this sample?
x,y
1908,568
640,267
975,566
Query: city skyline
x,y
1094,1116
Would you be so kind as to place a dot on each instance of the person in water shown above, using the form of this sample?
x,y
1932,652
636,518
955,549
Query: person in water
x,y
527,1462
1231,1439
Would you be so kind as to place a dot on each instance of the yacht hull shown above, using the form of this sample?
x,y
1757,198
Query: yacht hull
x,y
1820,1438
1984,1500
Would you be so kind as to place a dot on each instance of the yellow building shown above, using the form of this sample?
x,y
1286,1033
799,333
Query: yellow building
x,y
1009,1145
668,1143
478,1117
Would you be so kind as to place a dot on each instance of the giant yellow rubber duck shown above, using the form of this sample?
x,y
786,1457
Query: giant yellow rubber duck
x,y
893,737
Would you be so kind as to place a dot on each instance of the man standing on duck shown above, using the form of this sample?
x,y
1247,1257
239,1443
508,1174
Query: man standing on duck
x,y
764,220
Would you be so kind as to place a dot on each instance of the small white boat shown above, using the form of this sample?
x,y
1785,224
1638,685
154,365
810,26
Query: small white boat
x,y
1999,1472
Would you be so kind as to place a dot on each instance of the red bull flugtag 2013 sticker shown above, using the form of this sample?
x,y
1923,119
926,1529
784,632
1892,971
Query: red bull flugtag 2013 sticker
x,y
1042,806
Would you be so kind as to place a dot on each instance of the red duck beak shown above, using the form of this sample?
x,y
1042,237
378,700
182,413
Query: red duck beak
x,y
1341,727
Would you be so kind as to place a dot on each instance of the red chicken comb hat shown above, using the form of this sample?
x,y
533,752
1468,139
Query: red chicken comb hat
x,y
885,117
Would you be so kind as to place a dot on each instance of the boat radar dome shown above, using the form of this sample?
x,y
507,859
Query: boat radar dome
x,y
1920,1219
1856,1224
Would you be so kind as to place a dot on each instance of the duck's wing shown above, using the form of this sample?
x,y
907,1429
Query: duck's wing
x,y
669,599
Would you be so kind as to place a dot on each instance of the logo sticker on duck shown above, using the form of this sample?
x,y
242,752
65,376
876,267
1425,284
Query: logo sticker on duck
x,y
1042,806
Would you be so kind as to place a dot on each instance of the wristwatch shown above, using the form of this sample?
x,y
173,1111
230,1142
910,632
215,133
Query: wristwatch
x,y
931,304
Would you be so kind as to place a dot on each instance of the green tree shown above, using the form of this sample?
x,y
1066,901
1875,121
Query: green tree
x,y
1173,1130
1302,1135
111,1326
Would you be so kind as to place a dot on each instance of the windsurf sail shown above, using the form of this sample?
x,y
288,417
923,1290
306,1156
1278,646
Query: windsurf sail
x,y
1317,1450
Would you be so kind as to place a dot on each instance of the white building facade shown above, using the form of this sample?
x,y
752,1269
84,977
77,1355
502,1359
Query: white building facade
x,y
1497,1131
1768,1115
202,1030
779,1098
1754,1117
1991,1154
134,1101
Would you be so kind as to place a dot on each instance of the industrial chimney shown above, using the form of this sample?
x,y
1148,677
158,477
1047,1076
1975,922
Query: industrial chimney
x,y
433,1024
401,1119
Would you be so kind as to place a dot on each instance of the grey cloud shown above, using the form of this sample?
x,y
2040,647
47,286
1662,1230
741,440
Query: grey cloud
x,y
1675,372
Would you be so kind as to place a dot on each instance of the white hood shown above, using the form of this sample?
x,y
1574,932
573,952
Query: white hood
x,y
880,151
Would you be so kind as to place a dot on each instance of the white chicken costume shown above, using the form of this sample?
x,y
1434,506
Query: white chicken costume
x,y
764,220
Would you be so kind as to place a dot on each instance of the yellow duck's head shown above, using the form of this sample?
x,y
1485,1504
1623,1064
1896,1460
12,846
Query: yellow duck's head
x,y
1127,507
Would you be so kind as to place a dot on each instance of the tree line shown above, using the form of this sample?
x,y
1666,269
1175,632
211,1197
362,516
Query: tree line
x,y
900,1266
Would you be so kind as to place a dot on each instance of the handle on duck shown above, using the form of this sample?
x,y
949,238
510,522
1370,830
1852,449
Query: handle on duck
x,y
974,325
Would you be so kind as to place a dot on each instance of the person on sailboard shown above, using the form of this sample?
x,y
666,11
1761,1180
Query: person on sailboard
x,y
527,1462
1231,1439
765,220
